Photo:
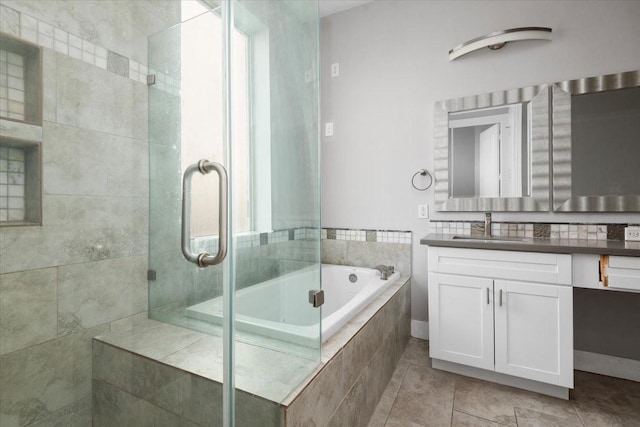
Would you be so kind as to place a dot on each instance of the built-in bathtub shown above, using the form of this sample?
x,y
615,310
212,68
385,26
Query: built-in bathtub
x,y
279,308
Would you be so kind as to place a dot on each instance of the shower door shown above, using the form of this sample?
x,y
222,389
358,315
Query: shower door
x,y
234,226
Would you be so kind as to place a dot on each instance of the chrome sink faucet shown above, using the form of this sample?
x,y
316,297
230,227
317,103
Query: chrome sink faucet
x,y
487,224
385,271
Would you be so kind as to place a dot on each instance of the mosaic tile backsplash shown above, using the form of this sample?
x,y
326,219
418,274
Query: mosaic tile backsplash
x,y
537,230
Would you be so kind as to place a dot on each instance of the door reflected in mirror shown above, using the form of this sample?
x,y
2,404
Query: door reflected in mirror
x,y
490,152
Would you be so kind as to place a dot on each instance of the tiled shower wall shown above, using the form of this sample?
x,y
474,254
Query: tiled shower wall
x,y
84,270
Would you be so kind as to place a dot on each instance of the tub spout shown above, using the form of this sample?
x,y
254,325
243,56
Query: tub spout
x,y
385,271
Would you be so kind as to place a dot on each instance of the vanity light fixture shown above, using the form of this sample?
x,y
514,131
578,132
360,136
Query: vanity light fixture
x,y
497,40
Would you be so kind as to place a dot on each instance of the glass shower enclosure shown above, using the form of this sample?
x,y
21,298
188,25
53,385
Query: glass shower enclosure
x,y
234,241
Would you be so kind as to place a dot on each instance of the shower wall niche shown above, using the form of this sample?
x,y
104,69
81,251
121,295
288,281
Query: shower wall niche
x,y
21,120
20,81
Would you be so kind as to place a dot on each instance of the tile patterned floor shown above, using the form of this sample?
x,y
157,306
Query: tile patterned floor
x,y
419,396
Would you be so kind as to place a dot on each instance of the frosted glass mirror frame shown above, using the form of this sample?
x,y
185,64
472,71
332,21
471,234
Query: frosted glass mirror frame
x,y
563,199
538,200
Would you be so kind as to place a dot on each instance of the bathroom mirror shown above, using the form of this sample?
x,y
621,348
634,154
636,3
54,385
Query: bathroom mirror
x,y
492,151
596,144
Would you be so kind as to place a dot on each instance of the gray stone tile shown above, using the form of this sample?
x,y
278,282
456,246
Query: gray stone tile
x,y
530,418
113,365
78,414
485,400
159,384
11,129
460,419
417,352
174,275
544,404
89,211
597,416
128,168
49,85
162,418
372,236
9,21
352,411
91,98
100,292
366,254
123,28
379,372
40,380
111,164
153,339
117,64
359,351
318,401
396,380
334,252
114,407
425,397
252,410
61,245
395,422
203,401
614,394
379,417
28,309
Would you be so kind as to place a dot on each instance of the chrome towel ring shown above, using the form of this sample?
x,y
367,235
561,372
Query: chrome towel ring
x,y
422,172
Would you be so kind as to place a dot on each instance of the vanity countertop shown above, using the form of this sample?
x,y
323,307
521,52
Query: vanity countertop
x,y
566,246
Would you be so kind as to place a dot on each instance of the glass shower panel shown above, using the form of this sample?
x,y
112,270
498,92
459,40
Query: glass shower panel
x,y
186,125
278,260
272,160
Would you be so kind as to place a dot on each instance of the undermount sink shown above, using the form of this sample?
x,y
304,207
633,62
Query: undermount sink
x,y
491,238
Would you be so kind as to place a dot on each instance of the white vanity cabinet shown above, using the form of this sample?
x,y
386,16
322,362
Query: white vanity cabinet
x,y
504,311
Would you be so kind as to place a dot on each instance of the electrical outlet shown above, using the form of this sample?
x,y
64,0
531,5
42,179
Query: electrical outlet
x,y
328,129
335,69
632,233
423,211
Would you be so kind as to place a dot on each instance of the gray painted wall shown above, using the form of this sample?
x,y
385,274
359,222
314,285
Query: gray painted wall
x,y
394,67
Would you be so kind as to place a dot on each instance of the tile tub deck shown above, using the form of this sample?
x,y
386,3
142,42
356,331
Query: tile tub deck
x,y
155,373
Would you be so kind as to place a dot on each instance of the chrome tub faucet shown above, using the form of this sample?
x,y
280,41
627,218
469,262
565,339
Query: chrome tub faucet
x,y
385,271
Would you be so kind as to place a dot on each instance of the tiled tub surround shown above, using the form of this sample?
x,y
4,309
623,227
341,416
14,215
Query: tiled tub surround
x,y
538,230
367,248
153,372
89,275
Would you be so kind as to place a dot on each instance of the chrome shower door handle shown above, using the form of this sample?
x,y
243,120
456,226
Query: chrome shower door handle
x,y
205,259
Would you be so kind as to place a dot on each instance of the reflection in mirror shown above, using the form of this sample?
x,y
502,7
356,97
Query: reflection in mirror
x,y
489,152
605,130
597,144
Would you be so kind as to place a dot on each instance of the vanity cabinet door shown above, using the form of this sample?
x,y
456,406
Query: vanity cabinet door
x,y
461,319
534,331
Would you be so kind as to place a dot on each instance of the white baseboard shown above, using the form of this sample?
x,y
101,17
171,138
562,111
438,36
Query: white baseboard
x,y
603,364
420,329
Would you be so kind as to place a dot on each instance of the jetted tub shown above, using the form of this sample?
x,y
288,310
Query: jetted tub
x,y
279,308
